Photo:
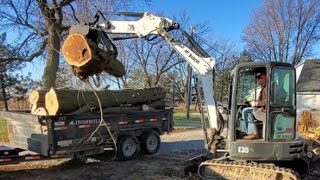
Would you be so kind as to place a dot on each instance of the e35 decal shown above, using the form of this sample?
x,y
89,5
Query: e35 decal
x,y
243,149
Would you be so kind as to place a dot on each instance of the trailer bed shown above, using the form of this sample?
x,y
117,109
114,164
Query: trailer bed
x,y
78,135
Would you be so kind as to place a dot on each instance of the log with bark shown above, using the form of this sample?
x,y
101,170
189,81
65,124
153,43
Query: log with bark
x,y
62,101
87,58
161,104
37,102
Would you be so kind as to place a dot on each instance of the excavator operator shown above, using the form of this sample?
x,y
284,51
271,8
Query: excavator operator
x,y
257,109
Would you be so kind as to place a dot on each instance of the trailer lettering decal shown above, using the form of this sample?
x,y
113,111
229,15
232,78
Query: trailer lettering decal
x,y
82,122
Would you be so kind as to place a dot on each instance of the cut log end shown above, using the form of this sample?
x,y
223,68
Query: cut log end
x,y
76,50
33,108
51,102
40,112
34,97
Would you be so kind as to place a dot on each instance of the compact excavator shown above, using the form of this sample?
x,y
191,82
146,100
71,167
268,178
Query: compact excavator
x,y
277,144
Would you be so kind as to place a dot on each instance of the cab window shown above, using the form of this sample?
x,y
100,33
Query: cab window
x,y
247,89
282,87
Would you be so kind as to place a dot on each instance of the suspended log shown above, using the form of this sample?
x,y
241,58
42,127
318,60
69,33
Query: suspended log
x,y
87,58
62,101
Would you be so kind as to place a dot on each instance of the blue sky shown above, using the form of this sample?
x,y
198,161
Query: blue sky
x,y
227,18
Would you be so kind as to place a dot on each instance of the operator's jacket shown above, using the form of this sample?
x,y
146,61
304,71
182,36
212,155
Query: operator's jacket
x,y
262,99
260,113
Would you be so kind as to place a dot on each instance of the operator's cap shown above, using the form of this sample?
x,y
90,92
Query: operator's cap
x,y
258,75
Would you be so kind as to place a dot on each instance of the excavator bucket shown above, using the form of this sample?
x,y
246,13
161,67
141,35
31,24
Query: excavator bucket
x,y
90,51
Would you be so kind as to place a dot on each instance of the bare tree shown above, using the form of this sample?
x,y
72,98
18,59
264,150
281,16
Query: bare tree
x,y
153,60
224,53
283,30
38,27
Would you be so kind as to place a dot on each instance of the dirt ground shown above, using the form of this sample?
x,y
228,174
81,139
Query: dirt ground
x,y
167,164
176,148
144,167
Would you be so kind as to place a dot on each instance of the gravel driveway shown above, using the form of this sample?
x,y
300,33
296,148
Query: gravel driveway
x,y
186,140
167,164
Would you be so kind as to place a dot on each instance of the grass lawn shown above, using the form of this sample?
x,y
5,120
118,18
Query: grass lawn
x,y
179,119
3,130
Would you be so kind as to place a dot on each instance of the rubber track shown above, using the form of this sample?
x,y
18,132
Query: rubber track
x,y
244,171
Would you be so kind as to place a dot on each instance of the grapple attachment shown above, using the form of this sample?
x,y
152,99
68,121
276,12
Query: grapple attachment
x,y
90,51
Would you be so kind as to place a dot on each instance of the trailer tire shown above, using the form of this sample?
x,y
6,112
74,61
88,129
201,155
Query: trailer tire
x,y
127,148
150,142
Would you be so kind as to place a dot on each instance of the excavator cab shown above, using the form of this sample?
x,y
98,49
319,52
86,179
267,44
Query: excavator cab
x,y
273,121
276,150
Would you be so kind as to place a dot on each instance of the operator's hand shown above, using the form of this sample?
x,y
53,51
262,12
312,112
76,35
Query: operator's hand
x,y
254,103
247,103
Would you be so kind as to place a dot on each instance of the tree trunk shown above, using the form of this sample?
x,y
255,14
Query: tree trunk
x,y
87,58
63,101
51,68
4,94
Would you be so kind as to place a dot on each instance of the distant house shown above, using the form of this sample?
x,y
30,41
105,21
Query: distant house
x,y
308,87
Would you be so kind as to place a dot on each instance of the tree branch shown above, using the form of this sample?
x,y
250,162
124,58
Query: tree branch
x,y
29,58
65,2
25,41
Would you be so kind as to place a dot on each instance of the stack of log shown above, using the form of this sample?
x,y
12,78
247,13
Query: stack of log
x,y
37,102
65,101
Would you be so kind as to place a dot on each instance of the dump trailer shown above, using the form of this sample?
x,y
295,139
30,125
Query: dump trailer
x,y
34,137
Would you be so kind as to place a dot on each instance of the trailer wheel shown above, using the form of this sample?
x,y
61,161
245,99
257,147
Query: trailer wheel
x,y
150,142
127,148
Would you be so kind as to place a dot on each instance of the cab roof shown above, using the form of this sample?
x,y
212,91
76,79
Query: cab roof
x,y
267,64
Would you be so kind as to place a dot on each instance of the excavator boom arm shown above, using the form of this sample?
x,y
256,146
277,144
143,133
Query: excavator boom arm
x,y
150,24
